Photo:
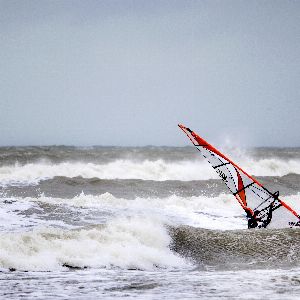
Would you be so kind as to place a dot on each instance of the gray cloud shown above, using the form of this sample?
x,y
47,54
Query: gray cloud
x,y
126,72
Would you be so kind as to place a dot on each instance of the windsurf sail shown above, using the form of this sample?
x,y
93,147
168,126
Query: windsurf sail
x,y
258,202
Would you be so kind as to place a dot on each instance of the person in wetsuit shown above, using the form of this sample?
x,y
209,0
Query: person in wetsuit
x,y
252,220
266,222
256,222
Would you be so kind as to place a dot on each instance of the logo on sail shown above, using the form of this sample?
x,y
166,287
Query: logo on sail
x,y
294,224
222,174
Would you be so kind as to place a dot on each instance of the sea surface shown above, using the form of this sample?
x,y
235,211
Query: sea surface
x,y
144,223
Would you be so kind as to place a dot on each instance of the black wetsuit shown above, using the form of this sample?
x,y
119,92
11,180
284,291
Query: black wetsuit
x,y
266,222
254,221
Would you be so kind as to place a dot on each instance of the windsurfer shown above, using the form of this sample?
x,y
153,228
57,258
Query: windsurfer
x,y
247,190
252,219
256,222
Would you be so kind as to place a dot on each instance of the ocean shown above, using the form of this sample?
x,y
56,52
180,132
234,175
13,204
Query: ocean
x,y
144,223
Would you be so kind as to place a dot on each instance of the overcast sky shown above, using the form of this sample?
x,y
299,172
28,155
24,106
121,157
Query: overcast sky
x,y
126,72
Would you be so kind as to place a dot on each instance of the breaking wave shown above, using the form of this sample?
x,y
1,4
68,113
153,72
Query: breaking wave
x,y
127,243
159,170
141,233
238,249
147,244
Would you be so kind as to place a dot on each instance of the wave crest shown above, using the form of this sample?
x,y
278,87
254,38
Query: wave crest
x,y
127,243
158,170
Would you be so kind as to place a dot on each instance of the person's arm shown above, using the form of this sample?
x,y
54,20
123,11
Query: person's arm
x,y
270,214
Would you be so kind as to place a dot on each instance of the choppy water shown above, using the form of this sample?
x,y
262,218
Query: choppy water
x,y
152,222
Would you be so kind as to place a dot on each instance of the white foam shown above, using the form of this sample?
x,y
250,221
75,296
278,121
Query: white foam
x,y
146,170
221,212
22,214
271,167
119,169
136,242
10,214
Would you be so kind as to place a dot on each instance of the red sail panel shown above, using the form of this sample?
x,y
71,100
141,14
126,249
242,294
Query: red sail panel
x,y
241,188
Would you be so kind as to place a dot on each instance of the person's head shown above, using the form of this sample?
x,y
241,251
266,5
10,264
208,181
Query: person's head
x,y
256,212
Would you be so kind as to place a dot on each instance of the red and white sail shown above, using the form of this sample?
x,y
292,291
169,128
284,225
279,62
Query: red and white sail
x,y
250,193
